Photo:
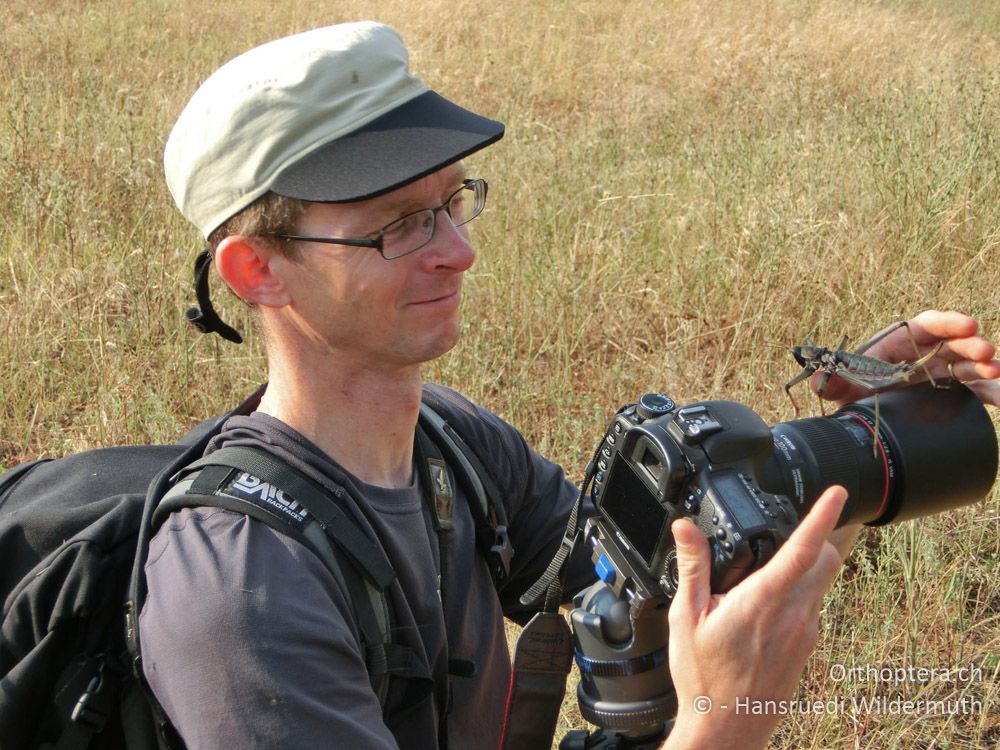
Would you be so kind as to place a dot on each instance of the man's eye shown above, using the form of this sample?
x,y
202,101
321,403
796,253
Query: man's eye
x,y
420,221
456,208
400,228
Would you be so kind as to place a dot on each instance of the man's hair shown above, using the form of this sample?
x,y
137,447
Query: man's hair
x,y
267,217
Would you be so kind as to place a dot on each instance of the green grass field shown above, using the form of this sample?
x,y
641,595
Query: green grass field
x,y
685,190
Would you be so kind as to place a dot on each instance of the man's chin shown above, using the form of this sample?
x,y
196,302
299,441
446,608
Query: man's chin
x,y
437,346
447,343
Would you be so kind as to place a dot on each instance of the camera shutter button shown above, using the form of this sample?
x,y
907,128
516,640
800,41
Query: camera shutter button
x,y
696,423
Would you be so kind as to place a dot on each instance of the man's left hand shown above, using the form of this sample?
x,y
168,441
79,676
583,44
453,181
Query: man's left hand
x,y
965,355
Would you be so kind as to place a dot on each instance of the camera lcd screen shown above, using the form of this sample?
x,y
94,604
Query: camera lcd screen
x,y
633,509
739,501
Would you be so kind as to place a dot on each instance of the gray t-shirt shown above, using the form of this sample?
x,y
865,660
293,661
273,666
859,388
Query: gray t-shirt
x,y
248,641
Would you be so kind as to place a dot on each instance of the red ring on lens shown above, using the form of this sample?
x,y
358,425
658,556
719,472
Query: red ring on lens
x,y
885,462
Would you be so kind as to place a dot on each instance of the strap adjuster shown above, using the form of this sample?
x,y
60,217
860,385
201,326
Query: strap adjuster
x,y
502,551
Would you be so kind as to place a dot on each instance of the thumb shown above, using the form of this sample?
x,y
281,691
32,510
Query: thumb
x,y
694,566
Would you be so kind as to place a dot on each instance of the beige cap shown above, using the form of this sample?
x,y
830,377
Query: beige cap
x,y
330,115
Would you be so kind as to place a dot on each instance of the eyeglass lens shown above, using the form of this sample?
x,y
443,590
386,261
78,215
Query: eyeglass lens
x,y
415,230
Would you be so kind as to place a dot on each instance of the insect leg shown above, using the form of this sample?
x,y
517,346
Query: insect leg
x,y
823,380
921,360
881,335
805,374
850,377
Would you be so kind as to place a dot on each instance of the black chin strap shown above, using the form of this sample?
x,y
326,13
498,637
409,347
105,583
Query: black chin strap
x,y
203,316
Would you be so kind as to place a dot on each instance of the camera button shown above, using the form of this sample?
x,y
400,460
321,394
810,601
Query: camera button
x,y
720,534
605,570
696,423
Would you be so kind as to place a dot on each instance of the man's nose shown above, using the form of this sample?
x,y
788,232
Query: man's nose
x,y
450,245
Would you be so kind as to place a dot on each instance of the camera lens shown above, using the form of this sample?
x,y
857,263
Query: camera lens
x,y
936,449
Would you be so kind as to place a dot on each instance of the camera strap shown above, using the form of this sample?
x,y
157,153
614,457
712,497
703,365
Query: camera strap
x,y
542,662
544,652
542,658
551,581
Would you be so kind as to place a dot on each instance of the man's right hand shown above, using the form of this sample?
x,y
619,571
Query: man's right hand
x,y
751,643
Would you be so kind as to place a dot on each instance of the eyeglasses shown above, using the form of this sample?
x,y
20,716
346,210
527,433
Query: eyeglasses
x,y
411,232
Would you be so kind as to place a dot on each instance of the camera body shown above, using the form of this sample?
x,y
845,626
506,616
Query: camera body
x,y
746,485
658,462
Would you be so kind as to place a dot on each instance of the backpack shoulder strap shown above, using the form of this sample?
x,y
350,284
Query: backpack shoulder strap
x,y
253,482
257,483
488,511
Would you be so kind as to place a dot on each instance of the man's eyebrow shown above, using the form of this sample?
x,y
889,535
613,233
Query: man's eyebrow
x,y
407,205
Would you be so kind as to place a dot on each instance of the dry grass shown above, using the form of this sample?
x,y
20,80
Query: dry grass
x,y
682,191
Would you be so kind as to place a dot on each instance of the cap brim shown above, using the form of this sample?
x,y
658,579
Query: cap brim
x,y
412,141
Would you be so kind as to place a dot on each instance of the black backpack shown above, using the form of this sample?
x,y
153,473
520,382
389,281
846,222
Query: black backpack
x,y
73,539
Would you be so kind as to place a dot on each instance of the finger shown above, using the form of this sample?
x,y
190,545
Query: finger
x,y
843,539
799,554
974,348
931,325
941,368
928,329
964,369
838,389
694,567
988,391
811,589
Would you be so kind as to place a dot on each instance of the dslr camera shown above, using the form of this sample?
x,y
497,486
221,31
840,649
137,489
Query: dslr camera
x,y
745,485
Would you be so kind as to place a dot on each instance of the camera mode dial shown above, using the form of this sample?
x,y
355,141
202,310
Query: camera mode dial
x,y
653,405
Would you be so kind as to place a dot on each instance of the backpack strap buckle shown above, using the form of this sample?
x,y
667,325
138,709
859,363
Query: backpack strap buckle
x,y
502,552
93,706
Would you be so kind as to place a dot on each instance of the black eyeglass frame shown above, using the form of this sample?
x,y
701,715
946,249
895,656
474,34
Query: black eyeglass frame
x,y
376,242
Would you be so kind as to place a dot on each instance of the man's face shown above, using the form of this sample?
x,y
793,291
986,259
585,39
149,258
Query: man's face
x,y
372,311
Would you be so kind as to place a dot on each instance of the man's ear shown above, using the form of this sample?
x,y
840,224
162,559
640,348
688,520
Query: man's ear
x,y
244,263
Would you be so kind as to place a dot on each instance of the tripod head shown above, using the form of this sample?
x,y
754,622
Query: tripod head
x,y
625,687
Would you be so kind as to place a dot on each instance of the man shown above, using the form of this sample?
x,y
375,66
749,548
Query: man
x,y
329,182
